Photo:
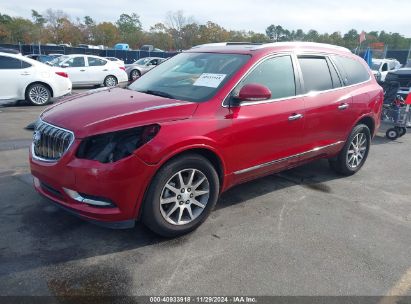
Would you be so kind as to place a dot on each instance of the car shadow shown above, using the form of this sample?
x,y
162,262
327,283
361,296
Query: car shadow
x,y
48,235
380,139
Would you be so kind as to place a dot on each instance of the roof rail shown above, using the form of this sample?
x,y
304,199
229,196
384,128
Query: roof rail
x,y
256,46
305,44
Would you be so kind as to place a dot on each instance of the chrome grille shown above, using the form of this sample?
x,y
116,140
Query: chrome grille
x,y
50,142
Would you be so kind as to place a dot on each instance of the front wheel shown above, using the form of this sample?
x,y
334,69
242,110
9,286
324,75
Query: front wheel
x,y
354,153
38,94
110,81
181,196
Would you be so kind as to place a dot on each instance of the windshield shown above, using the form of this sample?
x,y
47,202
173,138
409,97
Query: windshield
x,y
57,61
375,66
142,61
190,76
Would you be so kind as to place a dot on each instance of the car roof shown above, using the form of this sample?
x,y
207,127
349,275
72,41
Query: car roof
x,y
252,48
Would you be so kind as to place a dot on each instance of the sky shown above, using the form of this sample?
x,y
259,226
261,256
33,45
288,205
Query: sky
x,y
322,15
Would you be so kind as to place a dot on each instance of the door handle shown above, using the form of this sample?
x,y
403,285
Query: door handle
x,y
25,74
343,106
82,70
105,70
295,117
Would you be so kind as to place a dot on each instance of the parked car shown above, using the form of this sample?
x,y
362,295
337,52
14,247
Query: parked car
x,y
117,61
55,55
91,70
403,76
7,50
381,67
40,57
163,150
122,46
150,48
142,66
23,78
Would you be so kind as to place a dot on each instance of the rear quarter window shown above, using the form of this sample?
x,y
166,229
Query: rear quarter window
x,y
352,70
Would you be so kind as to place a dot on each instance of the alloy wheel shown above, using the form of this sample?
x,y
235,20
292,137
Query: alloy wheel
x,y
39,95
111,81
135,74
357,150
184,196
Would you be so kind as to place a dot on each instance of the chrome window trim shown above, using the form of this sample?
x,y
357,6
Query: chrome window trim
x,y
285,158
68,147
292,54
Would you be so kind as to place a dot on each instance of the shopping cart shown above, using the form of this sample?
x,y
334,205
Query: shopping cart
x,y
396,112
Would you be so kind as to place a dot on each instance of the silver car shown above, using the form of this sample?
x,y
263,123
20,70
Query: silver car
x,y
142,66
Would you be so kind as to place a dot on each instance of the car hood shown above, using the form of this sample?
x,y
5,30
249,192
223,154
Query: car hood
x,y
107,110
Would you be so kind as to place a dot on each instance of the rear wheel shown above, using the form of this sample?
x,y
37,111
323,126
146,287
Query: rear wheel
x,y
354,153
38,94
181,196
401,131
110,81
392,133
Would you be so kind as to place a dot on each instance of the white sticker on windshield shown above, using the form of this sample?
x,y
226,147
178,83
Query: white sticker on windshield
x,y
209,80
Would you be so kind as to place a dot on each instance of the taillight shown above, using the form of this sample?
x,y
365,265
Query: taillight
x,y
122,68
62,74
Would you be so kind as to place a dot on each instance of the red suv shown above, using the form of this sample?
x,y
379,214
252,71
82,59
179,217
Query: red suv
x,y
215,116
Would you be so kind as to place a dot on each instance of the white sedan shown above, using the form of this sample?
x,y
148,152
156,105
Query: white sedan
x,y
25,78
91,70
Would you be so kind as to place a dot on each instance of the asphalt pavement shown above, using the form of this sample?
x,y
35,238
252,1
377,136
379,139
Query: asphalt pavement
x,y
305,231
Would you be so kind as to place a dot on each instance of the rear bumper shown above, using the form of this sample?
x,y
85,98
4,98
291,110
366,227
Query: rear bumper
x,y
62,88
122,183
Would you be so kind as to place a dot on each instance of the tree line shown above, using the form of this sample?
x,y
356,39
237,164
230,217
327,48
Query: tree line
x,y
176,32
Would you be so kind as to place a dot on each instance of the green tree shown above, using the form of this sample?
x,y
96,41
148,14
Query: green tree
x,y
130,30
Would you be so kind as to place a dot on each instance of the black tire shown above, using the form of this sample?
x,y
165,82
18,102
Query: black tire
x,y
135,74
401,131
341,164
392,133
153,211
38,94
110,81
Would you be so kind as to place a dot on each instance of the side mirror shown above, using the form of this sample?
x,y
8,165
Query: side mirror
x,y
64,65
254,92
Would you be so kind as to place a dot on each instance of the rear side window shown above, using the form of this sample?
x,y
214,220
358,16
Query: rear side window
x,y
25,65
354,71
76,62
316,74
9,63
96,61
275,73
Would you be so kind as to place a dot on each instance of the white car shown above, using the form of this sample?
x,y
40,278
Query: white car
x,y
117,61
91,70
25,78
381,67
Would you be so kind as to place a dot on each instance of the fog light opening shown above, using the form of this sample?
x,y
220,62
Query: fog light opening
x,y
89,199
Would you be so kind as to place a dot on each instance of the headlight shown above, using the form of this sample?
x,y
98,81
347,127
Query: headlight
x,y
111,147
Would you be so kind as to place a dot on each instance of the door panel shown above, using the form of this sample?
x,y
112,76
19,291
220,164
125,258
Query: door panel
x,y
328,106
77,70
97,69
264,136
13,77
266,133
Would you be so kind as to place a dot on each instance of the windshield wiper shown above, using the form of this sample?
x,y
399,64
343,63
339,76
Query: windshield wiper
x,y
158,93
